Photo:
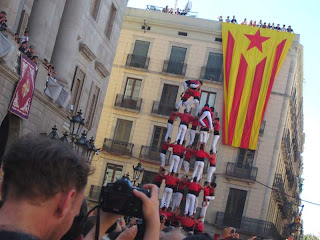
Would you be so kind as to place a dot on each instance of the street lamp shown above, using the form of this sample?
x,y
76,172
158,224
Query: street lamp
x,y
76,125
54,134
137,172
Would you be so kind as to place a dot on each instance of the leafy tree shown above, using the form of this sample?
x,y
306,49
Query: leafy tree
x,y
310,237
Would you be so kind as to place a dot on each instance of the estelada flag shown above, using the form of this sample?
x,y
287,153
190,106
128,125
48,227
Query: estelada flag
x,y
252,58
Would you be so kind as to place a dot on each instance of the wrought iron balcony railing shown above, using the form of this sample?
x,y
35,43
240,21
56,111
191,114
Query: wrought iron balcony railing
x,y
211,74
116,146
138,61
251,226
249,173
94,193
128,102
173,67
153,153
161,108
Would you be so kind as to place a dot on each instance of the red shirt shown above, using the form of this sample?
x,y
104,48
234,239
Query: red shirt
x,y
159,178
201,154
182,185
216,125
194,186
189,154
177,149
199,227
205,109
211,191
170,180
212,160
172,116
187,222
195,93
185,117
195,122
165,146
206,191
187,94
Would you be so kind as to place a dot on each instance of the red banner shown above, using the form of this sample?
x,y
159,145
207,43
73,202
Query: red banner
x,y
22,98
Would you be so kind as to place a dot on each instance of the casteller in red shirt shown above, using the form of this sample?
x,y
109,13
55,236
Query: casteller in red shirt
x,y
199,227
171,180
216,125
187,222
177,149
188,155
212,160
194,186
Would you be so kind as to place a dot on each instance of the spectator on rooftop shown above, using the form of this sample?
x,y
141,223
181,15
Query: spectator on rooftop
x,y
183,12
25,37
272,26
3,20
264,25
24,47
16,38
250,23
171,11
166,9
283,29
269,26
278,27
234,20
30,52
220,19
228,19
289,29
259,24
177,11
245,22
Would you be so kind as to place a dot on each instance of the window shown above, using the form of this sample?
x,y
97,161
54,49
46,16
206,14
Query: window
x,y
176,61
95,8
148,177
207,98
158,138
168,99
132,88
92,104
140,53
112,16
234,207
76,89
245,158
183,34
213,69
123,130
113,172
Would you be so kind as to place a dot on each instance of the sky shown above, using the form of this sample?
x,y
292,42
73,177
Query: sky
x,y
301,15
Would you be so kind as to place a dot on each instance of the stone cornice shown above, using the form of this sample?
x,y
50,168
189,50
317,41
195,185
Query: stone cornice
x,y
86,51
101,69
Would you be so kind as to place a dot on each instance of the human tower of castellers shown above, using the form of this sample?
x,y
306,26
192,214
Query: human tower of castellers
x,y
172,195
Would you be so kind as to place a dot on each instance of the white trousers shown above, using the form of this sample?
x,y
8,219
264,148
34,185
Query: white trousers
x,y
168,133
198,170
176,200
205,207
192,136
175,159
196,202
180,103
189,208
181,133
194,102
204,135
162,159
186,166
211,170
180,165
214,143
166,197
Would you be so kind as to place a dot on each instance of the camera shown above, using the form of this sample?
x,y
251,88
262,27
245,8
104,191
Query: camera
x,y
118,198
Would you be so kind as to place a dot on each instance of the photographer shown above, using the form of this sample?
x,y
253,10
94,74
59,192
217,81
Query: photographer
x,y
3,20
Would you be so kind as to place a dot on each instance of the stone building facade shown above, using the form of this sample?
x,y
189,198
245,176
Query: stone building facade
x,y
80,39
156,53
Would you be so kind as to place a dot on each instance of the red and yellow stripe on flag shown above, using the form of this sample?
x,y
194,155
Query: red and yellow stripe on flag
x,y
252,59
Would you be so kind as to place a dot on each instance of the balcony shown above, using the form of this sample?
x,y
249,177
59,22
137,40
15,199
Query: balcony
x,y
128,102
247,225
246,173
153,154
211,74
57,93
119,147
161,108
279,185
178,68
137,61
94,193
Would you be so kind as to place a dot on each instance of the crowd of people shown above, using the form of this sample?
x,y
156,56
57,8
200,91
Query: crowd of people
x,y
174,11
260,24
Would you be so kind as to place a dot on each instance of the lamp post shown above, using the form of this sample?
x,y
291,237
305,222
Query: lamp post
x,y
137,172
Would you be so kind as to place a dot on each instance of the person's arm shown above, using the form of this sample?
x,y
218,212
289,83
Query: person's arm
x,y
150,209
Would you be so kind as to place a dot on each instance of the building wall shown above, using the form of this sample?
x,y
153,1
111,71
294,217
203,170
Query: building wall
x,y
203,37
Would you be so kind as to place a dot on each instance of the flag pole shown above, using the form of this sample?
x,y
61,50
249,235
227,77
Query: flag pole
x,y
175,6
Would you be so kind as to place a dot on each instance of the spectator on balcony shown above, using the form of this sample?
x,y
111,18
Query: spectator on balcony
x,y
212,168
30,52
171,181
175,158
283,29
264,25
208,195
234,20
259,24
245,22
169,125
194,127
34,59
227,20
177,11
166,9
216,134
289,29
193,188
3,21
24,47
199,164
164,149
187,157
16,38
25,37
220,19
185,119
206,123
250,23
254,23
